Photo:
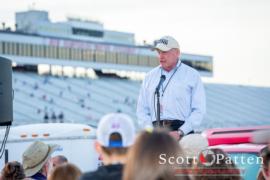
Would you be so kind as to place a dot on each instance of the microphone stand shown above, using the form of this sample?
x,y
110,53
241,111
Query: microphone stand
x,y
162,79
158,108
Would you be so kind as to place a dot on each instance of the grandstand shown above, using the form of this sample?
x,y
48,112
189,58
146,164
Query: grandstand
x,y
77,71
80,99
85,100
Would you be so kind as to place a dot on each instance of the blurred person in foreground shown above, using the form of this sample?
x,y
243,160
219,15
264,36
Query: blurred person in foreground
x,y
12,171
148,158
36,160
264,173
115,134
58,160
192,145
65,171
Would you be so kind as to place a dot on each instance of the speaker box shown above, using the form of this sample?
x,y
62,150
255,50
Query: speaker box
x,y
6,92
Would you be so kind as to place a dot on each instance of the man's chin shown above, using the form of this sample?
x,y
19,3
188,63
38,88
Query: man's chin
x,y
162,64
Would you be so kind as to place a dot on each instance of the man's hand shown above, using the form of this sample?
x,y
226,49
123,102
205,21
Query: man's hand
x,y
176,135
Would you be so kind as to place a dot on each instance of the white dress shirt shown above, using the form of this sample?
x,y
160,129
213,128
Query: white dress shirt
x,y
183,98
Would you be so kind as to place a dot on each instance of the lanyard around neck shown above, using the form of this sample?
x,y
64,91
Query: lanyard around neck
x,y
164,89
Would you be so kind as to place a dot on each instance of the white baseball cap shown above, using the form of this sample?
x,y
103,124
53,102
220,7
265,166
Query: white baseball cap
x,y
116,123
166,43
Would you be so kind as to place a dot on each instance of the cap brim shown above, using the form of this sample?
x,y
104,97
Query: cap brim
x,y
162,47
31,171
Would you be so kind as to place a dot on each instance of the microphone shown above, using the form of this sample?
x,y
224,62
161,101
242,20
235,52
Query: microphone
x,y
161,81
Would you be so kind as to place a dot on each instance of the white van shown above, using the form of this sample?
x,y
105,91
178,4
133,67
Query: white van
x,y
76,142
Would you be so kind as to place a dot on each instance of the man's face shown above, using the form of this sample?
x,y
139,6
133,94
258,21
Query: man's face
x,y
168,59
266,172
48,167
55,161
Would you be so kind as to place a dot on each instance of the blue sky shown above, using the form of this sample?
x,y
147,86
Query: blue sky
x,y
235,32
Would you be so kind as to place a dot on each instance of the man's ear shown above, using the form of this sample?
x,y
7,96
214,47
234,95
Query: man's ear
x,y
177,52
98,147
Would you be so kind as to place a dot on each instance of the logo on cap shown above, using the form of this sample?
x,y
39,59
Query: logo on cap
x,y
115,125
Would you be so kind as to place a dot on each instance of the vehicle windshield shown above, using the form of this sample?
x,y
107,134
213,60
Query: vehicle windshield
x,y
248,164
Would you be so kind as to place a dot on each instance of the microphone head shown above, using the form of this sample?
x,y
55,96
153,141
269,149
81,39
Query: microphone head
x,y
163,77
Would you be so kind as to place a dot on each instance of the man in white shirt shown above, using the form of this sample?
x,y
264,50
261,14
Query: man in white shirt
x,y
182,97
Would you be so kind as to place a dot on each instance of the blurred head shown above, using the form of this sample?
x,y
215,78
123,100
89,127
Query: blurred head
x,y
115,133
58,160
65,171
144,157
192,145
219,168
36,158
12,170
168,51
265,154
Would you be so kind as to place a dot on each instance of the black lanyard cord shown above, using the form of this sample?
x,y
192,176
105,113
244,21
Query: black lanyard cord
x,y
163,90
